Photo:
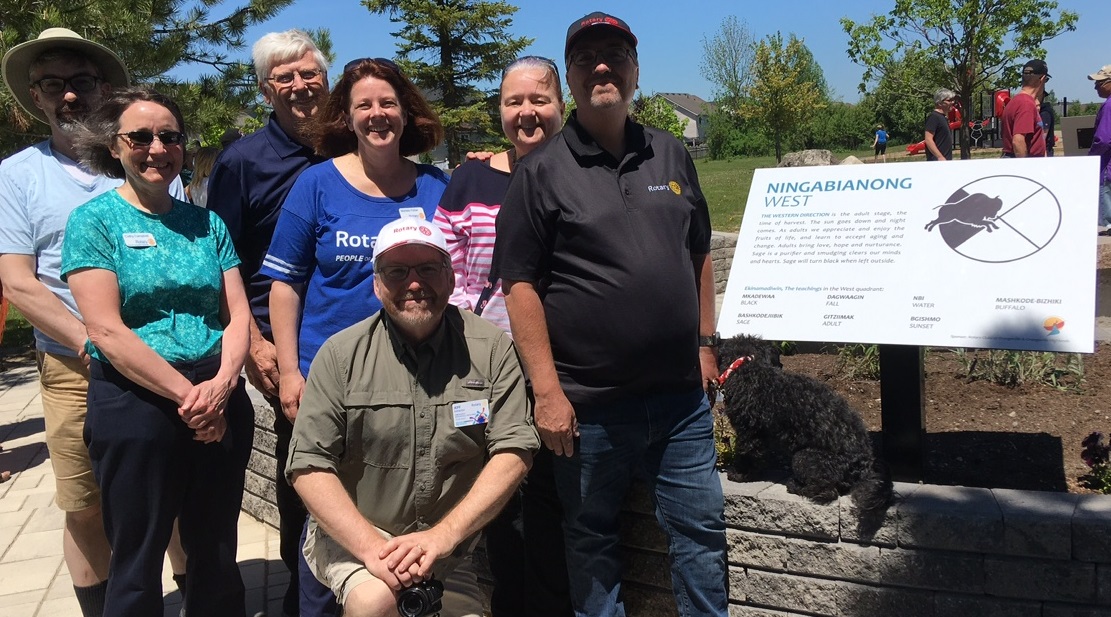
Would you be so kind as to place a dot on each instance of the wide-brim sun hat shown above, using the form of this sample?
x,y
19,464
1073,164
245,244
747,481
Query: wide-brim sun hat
x,y
17,64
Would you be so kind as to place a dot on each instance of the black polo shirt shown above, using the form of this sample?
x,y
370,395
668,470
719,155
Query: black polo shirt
x,y
248,184
608,244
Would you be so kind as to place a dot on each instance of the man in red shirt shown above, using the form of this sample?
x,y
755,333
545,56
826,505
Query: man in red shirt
x,y
1023,132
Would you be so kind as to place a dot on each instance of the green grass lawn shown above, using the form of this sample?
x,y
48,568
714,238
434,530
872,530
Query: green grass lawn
x,y
18,336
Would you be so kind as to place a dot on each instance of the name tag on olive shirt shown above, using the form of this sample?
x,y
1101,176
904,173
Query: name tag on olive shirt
x,y
471,413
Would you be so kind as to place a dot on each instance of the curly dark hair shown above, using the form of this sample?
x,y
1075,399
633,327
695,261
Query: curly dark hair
x,y
97,134
331,137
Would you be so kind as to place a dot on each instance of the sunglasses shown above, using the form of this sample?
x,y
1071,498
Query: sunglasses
x,y
145,138
79,83
386,62
308,76
400,273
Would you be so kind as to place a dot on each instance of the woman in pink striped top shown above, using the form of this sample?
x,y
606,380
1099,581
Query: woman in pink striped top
x,y
531,105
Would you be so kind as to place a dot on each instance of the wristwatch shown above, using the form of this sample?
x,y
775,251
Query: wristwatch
x,y
709,341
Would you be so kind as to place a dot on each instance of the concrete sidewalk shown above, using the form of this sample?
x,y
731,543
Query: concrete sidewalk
x,y
33,580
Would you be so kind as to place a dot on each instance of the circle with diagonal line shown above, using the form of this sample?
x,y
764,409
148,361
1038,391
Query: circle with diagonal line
x,y
998,219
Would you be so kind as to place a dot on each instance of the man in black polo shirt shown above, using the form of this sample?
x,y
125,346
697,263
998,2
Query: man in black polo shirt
x,y
603,248
248,184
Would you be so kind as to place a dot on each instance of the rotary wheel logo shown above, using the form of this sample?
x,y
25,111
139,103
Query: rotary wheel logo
x,y
998,219
424,230
674,186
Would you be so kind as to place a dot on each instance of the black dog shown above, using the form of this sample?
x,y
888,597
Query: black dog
x,y
774,412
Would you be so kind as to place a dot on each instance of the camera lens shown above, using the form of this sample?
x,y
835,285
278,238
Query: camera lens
x,y
410,604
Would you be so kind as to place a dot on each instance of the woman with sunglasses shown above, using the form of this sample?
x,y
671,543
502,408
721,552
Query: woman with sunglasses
x,y
524,544
169,423
320,257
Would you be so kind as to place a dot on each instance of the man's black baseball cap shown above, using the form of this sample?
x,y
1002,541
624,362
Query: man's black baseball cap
x,y
1037,67
597,19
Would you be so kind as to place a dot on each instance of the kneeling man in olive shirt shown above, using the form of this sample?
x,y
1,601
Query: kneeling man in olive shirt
x,y
413,431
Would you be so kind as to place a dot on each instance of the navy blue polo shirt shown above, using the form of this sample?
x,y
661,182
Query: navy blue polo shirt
x,y
609,244
248,184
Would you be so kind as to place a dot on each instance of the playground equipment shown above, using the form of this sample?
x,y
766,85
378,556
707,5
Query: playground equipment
x,y
978,129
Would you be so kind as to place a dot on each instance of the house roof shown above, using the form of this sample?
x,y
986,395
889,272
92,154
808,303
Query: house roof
x,y
689,103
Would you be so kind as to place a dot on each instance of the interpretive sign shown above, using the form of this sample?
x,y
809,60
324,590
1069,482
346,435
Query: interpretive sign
x,y
997,253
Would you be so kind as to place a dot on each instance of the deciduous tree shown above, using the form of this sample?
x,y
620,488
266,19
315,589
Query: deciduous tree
x,y
974,41
656,112
450,48
782,95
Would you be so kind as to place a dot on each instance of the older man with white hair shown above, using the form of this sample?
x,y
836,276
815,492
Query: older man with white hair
x,y
248,184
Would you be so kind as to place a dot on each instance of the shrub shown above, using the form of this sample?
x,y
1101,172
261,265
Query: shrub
x,y
859,361
1097,456
1014,368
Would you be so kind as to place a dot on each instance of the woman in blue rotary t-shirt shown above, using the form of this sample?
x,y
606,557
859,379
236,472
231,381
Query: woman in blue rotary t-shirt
x,y
169,423
320,257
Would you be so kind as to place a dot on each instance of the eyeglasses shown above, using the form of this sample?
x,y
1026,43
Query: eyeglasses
x,y
1100,82
144,138
400,273
612,56
79,83
386,62
307,75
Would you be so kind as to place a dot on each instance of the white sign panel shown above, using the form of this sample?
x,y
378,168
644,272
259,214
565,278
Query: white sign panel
x,y
996,253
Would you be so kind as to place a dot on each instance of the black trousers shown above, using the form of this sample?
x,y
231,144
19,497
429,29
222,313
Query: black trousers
x,y
525,547
151,471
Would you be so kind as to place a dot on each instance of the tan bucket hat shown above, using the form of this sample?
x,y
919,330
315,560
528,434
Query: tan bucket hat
x,y
17,63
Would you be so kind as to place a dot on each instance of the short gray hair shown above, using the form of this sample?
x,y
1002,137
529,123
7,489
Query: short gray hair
x,y
281,47
944,94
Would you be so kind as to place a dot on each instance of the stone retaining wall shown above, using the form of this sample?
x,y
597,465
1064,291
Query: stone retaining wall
x,y
940,551
722,246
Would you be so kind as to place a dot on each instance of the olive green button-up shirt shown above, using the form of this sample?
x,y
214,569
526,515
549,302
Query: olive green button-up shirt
x,y
382,415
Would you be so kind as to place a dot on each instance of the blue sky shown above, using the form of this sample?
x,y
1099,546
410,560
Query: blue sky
x,y
671,34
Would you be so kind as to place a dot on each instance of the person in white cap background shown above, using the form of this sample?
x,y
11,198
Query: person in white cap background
x,y
1101,142
413,431
605,221
58,78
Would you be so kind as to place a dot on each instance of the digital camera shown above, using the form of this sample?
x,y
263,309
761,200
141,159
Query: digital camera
x,y
424,598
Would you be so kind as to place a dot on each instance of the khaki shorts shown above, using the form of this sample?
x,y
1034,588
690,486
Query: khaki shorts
x,y
65,381
337,568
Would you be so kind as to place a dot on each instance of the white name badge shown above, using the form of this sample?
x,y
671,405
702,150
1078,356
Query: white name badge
x,y
139,240
471,413
416,213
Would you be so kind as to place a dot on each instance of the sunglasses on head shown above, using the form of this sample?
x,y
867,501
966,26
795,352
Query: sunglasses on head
x,y
386,62
144,137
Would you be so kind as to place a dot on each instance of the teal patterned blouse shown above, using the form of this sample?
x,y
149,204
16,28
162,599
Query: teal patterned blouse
x,y
169,266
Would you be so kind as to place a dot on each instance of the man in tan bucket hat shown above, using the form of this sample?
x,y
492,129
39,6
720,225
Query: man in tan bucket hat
x,y
58,78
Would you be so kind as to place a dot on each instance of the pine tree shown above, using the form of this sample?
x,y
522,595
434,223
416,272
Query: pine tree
x,y
152,37
449,48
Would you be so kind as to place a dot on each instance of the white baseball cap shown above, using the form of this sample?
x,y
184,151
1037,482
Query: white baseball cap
x,y
409,230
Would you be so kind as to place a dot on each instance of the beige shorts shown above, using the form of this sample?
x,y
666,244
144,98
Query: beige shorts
x,y
65,381
337,568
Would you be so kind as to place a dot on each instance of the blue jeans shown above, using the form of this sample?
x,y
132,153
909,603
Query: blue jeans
x,y
1105,204
668,440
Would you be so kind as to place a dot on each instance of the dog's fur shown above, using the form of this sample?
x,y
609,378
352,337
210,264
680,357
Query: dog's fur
x,y
778,413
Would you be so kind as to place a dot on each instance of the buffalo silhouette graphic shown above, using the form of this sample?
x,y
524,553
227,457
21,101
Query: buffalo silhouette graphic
x,y
976,210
